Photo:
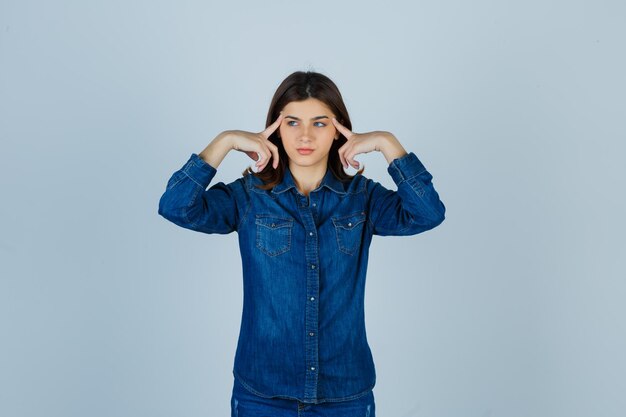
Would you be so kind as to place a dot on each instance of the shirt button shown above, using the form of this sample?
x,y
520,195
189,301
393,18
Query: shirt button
x,y
310,233
312,298
312,368
311,334
312,266
349,224
314,205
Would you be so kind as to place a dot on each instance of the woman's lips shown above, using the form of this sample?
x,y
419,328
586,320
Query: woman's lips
x,y
304,151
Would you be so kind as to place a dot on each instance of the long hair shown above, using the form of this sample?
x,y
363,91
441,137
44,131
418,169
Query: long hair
x,y
300,86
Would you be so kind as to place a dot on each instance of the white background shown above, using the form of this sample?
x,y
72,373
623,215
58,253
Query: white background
x,y
514,306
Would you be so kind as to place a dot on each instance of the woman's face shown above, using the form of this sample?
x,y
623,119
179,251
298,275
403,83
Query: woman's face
x,y
307,133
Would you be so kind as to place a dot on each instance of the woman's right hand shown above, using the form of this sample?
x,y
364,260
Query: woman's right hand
x,y
257,145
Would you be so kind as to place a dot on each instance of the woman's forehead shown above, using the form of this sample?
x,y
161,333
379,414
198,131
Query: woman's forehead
x,y
307,108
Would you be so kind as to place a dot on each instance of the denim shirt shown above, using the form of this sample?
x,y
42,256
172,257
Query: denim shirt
x,y
304,262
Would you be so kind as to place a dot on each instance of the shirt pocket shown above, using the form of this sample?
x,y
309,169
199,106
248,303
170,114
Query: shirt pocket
x,y
349,231
273,234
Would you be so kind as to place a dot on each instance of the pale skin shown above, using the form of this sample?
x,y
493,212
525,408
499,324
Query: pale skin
x,y
303,124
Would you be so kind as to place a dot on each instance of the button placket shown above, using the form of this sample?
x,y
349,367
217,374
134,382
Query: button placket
x,y
312,290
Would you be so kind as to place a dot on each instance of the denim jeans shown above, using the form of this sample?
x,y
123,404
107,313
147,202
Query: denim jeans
x,y
244,403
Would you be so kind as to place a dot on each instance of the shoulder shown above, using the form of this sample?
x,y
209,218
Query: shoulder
x,y
355,185
237,188
251,183
366,185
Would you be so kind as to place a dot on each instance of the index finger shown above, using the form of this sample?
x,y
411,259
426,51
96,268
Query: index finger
x,y
271,128
342,129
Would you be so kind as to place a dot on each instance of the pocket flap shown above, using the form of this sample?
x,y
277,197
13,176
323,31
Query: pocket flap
x,y
350,221
273,222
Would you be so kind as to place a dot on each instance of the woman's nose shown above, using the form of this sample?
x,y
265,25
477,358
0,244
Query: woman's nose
x,y
305,137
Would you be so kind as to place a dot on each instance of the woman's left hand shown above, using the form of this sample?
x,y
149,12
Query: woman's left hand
x,y
357,143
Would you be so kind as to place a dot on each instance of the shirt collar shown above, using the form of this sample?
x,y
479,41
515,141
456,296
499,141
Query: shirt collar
x,y
328,180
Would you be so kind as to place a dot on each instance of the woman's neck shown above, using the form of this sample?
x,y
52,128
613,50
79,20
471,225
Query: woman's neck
x,y
307,179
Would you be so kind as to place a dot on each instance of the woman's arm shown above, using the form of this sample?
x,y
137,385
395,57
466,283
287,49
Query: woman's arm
x,y
416,206
215,151
186,201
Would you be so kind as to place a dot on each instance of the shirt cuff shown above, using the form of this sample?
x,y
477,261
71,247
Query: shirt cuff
x,y
405,167
199,170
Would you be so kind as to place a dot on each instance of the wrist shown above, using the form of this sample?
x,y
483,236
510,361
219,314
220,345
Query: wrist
x,y
391,147
215,151
224,140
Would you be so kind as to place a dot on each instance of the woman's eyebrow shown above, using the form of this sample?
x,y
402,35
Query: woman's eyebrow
x,y
312,118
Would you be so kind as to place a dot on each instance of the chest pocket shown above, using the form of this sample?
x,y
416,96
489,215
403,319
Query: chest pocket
x,y
273,234
349,230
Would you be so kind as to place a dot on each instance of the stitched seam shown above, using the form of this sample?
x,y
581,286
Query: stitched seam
x,y
170,186
263,216
245,215
252,390
349,397
403,178
192,179
191,203
416,186
393,231
420,191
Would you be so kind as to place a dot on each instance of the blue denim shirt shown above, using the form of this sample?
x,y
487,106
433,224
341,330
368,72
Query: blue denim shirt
x,y
304,262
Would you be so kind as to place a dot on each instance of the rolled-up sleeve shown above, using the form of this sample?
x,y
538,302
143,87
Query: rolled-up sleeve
x,y
187,203
414,208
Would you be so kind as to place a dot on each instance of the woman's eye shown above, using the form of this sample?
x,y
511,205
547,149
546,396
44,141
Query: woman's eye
x,y
293,121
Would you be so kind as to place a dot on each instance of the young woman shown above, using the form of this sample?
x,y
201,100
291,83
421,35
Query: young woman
x,y
304,228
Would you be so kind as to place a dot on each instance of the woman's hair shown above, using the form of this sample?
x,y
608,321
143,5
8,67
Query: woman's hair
x,y
300,86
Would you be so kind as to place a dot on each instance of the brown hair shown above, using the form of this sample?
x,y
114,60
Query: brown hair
x,y
300,86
